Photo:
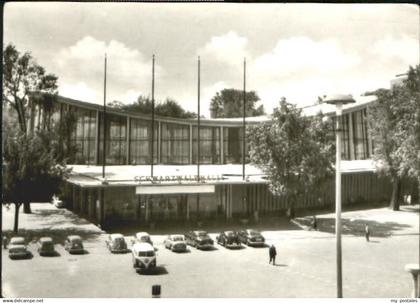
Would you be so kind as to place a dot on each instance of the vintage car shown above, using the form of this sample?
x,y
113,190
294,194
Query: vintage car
x,y
46,247
116,243
251,237
141,237
199,239
175,243
143,256
229,239
18,249
74,245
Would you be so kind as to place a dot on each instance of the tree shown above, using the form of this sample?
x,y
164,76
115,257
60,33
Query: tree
x,y
30,171
295,152
143,105
21,76
394,128
228,103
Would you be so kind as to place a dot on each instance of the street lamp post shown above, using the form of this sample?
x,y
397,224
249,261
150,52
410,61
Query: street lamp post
x,y
338,101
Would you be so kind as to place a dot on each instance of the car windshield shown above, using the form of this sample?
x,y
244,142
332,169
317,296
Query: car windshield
x,y
178,238
201,233
146,254
230,233
144,238
119,240
76,241
254,233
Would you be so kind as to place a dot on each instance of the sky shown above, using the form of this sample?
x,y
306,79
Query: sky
x,y
296,51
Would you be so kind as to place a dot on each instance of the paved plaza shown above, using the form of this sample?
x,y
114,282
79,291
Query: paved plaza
x,y
305,261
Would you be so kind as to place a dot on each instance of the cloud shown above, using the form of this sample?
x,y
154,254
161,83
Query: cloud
x,y
302,54
79,91
405,49
228,48
126,67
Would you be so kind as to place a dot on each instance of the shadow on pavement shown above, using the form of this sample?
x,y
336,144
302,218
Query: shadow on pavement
x,y
281,265
157,271
354,227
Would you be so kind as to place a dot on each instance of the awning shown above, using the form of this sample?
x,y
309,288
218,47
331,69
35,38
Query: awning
x,y
175,189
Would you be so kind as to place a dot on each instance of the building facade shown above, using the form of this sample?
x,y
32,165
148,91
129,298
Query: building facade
x,y
175,193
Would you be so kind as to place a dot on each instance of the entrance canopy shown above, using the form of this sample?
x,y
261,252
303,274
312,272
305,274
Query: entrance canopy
x,y
175,189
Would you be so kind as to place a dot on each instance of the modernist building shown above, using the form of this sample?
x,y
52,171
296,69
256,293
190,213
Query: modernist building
x,y
130,193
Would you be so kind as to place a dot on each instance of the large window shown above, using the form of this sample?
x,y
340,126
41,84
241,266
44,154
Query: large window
x,y
360,136
140,142
84,135
232,144
116,139
209,145
175,143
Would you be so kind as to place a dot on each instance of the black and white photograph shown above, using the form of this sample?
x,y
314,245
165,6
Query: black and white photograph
x,y
210,150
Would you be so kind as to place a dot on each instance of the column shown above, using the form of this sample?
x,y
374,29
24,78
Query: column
x,y
191,144
222,156
188,207
97,139
127,142
74,198
352,155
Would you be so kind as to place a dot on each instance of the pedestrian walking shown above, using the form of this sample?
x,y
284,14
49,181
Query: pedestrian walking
x,y
272,252
5,242
367,232
314,223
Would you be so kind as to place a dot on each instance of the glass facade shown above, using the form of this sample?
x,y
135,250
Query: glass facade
x,y
360,135
232,144
129,139
209,145
85,135
175,143
140,141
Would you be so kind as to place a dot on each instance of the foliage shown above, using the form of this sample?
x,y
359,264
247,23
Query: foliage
x,y
22,75
143,105
228,103
394,128
296,152
30,171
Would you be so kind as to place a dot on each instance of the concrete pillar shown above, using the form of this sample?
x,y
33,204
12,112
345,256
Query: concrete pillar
x,y
147,208
82,201
188,207
352,155
74,198
222,156
191,144
97,139
127,142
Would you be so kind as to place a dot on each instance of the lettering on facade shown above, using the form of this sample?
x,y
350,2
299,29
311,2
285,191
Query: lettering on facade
x,y
178,179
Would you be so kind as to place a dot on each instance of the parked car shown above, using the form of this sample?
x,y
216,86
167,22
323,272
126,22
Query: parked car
x,y
143,256
18,248
251,237
141,237
46,246
229,239
57,202
175,243
74,245
199,239
116,243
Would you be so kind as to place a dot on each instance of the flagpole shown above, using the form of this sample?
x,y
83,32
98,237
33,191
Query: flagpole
x,y
104,139
153,115
198,122
244,114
